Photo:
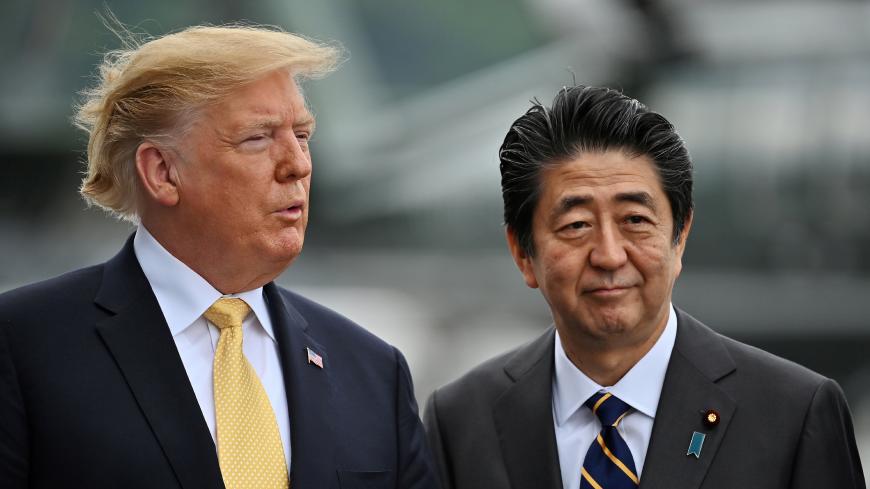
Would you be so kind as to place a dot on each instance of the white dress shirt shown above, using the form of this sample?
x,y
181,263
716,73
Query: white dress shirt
x,y
576,426
184,296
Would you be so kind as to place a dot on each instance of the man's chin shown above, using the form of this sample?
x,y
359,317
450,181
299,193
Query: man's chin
x,y
609,327
280,254
610,324
287,255
610,314
598,327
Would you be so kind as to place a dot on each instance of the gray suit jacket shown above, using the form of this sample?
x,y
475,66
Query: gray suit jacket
x,y
782,426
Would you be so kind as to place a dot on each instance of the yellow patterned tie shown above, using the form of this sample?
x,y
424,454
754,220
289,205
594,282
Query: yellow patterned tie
x,y
249,444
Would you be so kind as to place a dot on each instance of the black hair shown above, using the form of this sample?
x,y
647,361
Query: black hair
x,y
588,119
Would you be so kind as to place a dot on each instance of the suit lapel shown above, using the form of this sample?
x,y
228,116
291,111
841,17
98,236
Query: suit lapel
x,y
140,342
698,361
524,417
309,395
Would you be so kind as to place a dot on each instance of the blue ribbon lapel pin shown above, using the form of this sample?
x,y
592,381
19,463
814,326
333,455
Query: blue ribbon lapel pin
x,y
695,444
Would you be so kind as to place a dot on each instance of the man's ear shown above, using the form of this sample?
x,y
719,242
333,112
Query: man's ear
x,y
157,173
681,244
521,258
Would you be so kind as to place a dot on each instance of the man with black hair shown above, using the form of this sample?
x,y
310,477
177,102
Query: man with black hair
x,y
625,390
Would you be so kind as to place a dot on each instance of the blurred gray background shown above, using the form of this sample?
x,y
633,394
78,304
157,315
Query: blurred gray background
x,y
405,235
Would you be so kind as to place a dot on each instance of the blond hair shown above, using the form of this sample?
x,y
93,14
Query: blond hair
x,y
149,88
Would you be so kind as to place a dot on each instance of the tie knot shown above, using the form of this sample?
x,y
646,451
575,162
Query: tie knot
x,y
609,408
228,313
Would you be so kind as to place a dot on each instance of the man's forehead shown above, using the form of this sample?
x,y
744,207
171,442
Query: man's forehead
x,y
609,179
614,171
272,100
254,117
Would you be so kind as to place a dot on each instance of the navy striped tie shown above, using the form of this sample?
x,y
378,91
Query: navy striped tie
x,y
608,463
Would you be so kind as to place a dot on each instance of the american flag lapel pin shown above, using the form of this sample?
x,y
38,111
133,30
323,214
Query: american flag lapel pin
x,y
314,358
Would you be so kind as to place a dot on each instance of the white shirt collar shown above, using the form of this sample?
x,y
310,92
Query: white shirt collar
x,y
183,294
640,387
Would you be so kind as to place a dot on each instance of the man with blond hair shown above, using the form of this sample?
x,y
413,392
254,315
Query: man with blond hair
x,y
134,373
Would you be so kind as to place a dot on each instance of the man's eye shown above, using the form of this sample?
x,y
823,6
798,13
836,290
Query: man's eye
x,y
255,143
576,225
303,136
255,138
637,219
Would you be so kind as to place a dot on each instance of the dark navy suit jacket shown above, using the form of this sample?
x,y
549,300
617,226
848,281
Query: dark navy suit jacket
x,y
93,392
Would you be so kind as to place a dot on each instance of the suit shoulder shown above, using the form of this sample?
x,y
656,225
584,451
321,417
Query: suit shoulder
x,y
483,378
487,381
772,367
327,322
52,294
754,366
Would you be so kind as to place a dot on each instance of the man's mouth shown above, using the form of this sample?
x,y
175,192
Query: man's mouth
x,y
292,212
607,291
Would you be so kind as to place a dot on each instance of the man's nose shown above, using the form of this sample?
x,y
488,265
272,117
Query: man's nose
x,y
293,160
608,251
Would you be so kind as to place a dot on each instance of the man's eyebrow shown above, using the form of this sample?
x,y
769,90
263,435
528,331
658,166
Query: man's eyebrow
x,y
306,120
570,202
262,123
641,197
573,201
